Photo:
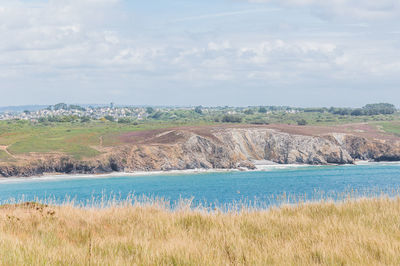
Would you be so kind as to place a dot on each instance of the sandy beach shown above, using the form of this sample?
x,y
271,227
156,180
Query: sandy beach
x,y
261,166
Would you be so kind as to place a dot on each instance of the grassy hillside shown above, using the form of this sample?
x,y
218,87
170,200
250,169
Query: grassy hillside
x,y
76,139
86,140
365,232
391,127
5,157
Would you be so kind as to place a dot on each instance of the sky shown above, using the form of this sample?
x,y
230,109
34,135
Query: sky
x,y
210,52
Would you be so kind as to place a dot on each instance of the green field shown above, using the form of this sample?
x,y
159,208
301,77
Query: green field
x,y
74,139
315,118
391,127
4,157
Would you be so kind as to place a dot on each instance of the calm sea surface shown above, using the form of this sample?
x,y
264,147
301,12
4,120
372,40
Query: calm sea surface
x,y
265,187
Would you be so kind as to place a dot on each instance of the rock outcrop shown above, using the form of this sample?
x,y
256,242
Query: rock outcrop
x,y
223,148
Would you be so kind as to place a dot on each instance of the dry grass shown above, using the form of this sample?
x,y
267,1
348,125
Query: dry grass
x,y
359,232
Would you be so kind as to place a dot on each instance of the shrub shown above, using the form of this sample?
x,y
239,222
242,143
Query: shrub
x,y
302,122
231,119
248,112
42,120
85,119
259,122
109,118
156,115
124,120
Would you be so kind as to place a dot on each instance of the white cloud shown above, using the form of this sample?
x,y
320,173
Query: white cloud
x,y
59,44
360,9
49,36
219,46
225,14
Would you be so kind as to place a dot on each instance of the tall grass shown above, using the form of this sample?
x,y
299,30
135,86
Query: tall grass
x,y
150,232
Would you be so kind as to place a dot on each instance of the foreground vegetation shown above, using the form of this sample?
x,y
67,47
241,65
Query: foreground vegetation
x,y
364,232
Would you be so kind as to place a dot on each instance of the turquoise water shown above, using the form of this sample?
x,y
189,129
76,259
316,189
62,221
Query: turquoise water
x,y
222,188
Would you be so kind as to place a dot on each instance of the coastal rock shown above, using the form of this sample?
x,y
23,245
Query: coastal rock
x,y
283,148
223,148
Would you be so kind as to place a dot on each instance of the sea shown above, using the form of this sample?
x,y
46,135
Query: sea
x,y
264,188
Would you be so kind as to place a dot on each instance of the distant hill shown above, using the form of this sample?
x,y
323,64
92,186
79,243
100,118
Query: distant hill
x,y
32,108
21,108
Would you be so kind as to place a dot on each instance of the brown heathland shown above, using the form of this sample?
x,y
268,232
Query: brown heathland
x,y
166,136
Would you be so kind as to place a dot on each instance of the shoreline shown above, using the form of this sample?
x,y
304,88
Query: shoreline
x,y
259,168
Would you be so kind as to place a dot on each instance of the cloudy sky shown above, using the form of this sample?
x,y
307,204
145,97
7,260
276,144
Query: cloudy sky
x,y
209,52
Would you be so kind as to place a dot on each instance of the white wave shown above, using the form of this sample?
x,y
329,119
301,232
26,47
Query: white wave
x,y
58,177
375,163
272,167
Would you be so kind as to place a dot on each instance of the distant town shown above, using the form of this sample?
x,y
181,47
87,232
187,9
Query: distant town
x,y
63,112
119,113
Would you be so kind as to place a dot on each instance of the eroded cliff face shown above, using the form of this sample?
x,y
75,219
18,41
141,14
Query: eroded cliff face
x,y
361,148
222,148
283,148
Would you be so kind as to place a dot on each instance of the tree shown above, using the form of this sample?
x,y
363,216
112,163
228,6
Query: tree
x,y
357,112
262,110
60,106
379,108
76,107
156,115
198,110
149,110
340,111
314,110
248,112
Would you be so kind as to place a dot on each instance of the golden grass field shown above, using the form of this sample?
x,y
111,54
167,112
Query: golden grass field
x,y
362,232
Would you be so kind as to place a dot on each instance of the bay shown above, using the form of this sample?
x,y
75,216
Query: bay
x,y
261,188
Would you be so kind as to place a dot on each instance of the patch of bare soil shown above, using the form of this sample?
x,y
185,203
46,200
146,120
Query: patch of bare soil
x,y
360,129
167,136
4,148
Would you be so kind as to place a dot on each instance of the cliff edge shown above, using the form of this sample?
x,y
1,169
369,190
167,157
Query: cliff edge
x,y
221,147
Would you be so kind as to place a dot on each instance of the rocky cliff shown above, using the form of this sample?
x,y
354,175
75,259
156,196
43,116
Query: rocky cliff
x,y
224,148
